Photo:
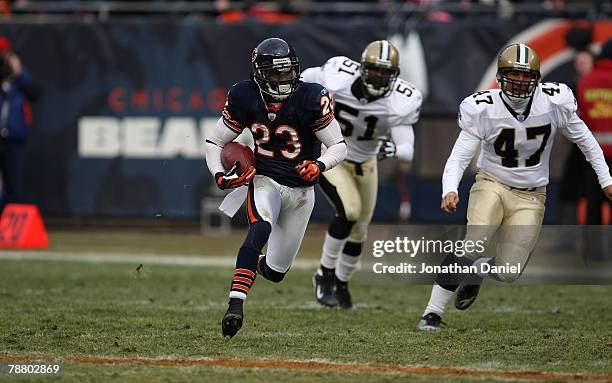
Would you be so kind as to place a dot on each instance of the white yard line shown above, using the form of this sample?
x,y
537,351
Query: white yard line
x,y
150,259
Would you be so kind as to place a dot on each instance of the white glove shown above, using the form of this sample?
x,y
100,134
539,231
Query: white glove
x,y
388,149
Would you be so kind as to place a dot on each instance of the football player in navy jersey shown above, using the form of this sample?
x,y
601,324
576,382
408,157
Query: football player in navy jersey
x,y
289,120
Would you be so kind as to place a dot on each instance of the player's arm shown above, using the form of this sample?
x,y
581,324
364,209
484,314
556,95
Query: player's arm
x,y
220,136
401,145
575,130
327,130
228,127
331,137
215,142
463,151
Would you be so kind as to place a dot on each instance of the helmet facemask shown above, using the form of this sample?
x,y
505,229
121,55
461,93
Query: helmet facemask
x,y
279,79
378,80
379,67
518,71
514,88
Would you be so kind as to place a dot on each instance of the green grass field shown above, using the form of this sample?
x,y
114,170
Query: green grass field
x,y
110,310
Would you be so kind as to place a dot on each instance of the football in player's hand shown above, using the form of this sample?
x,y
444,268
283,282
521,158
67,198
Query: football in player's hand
x,y
235,151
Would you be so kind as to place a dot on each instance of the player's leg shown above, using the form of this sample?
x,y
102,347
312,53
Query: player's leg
x,y
288,233
480,226
484,212
516,238
521,229
518,235
263,207
340,189
367,187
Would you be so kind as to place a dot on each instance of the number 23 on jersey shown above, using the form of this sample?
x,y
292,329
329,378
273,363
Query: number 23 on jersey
x,y
293,144
263,136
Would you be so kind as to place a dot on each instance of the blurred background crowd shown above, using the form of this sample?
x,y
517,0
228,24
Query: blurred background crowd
x,y
290,10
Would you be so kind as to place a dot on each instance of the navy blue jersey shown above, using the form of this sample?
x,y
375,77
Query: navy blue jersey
x,y
284,137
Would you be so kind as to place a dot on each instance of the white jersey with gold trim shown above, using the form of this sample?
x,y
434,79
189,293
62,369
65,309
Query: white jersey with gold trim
x,y
515,148
364,122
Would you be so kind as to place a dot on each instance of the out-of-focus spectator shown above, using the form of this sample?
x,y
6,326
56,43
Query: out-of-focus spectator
x,y
573,186
17,90
251,11
595,108
579,38
583,63
568,8
5,8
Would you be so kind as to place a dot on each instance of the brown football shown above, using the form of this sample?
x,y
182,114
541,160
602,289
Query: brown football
x,y
235,151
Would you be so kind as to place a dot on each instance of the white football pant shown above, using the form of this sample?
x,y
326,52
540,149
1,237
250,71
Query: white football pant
x,y
287,209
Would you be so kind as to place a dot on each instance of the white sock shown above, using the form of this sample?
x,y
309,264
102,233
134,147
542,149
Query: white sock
x,y
438,300
332,247
346,266
479,262
237,294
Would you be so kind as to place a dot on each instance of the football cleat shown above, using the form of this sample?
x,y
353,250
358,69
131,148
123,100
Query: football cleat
x,y
323,282
232,320
468,291
430,322
343,296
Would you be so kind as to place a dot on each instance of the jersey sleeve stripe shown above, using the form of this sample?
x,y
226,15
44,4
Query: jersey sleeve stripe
x,y
232,128
322,122
231,123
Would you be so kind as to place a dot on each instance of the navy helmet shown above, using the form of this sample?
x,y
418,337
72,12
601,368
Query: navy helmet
x,y
276,69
